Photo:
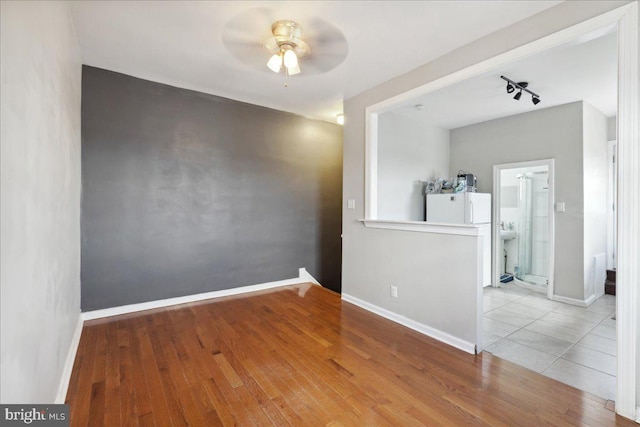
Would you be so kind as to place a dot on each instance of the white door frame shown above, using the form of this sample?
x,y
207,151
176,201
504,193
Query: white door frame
x,y
628,218
628,215
496,258
612,147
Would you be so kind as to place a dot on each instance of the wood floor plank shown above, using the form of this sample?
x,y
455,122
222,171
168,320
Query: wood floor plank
x,y
128,415
143,409
298,355
79,397
112,409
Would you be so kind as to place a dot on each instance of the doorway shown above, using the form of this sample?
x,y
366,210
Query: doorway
x,y
523,224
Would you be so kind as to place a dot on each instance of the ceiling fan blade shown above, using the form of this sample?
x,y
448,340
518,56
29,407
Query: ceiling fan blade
x,y
252,25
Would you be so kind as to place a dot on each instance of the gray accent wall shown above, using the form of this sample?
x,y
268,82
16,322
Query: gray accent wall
x,y
185,192
40,207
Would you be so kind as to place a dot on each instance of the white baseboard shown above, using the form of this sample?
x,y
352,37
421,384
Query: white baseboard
x,y
637,420
574,301
304,276
68,364
412,324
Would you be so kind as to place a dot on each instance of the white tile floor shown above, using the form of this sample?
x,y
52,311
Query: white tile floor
x,y
574,345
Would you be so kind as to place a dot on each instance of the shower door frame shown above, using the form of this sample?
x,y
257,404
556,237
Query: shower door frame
x,y
495,257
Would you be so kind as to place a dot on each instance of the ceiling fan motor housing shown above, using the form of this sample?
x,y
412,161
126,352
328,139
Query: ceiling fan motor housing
x,y
287,35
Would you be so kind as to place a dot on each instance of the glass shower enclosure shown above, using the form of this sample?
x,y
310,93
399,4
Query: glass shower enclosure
x,y
533,231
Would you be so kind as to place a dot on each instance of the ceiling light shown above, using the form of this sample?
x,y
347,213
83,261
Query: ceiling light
x,y
287,47
521,86
275,63
290,59
419,107
340,119
292,71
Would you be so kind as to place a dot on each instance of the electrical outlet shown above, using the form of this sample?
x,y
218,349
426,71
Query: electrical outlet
x,y
394,291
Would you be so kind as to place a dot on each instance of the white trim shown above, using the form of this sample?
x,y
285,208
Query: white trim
x,y
550,164
412,324
574,301
427,227
305,276
371,165
611,203
70,360
628,251
637,417
480,279
132,308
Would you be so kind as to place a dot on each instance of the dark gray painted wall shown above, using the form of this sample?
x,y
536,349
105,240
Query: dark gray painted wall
x,y
185,192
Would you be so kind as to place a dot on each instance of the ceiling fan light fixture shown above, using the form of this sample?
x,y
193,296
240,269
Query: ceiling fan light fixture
x,y
275,63
290,59
292,71
287,44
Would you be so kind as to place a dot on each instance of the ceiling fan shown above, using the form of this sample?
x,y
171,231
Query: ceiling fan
x,y
257,38
287,47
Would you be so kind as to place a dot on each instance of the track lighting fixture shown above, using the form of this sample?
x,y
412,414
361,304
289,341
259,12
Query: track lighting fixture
x,y
521,86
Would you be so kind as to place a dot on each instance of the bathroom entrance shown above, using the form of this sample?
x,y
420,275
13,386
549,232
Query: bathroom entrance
x,y
523,221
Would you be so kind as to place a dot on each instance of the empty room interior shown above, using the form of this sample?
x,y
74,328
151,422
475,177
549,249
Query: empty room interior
x,y
320,213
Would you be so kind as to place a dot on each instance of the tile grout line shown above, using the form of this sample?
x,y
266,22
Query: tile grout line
x,y
572,344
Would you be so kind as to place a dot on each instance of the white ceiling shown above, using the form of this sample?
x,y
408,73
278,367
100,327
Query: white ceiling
x,y
181,43
582,70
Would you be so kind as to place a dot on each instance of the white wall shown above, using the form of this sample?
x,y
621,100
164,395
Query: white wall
x,y
429,292
596,181
410,151
40,209
548,133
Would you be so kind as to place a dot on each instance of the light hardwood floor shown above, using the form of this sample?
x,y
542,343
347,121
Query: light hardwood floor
x,y
300,356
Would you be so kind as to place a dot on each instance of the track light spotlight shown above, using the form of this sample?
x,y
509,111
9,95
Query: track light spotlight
x,y
520,86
